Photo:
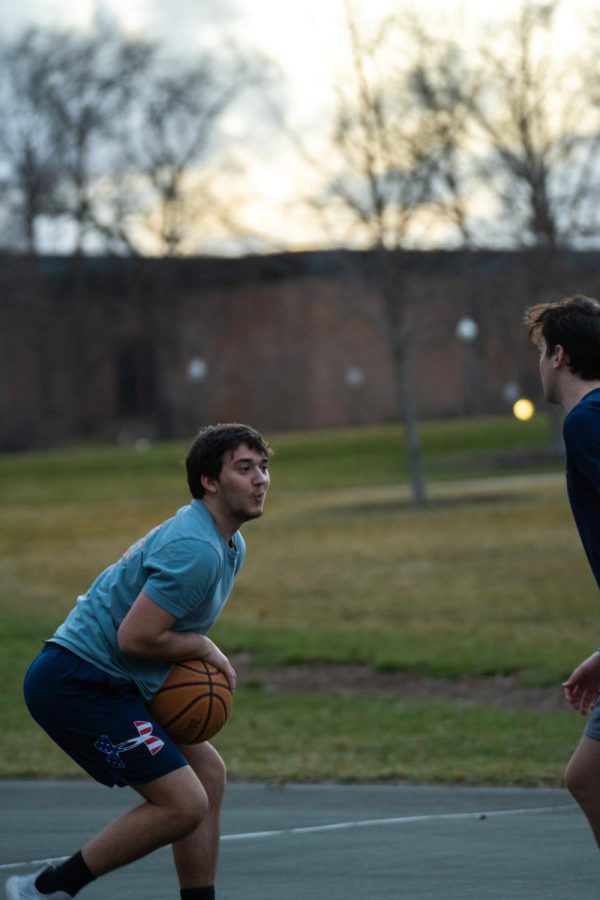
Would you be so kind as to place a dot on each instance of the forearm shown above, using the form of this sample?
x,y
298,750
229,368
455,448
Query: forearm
x,y
177,646
147,632
169,646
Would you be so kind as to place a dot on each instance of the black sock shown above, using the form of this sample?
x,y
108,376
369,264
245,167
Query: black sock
x,y
69,877
205,893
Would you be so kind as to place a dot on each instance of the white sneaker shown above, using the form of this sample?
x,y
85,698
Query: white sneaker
x,y
22,887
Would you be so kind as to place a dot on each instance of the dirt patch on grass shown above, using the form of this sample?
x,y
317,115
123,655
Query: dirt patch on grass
x,y
501,691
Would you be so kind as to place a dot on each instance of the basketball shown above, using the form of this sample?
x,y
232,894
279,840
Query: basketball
x,y
194,702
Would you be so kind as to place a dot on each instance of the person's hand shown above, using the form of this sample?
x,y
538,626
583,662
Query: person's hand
x,y
217,658
582,688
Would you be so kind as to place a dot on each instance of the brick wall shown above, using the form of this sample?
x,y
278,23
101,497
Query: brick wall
x,y
100,349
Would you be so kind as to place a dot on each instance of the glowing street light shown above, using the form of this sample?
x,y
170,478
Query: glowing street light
x,y
467,330
523,409
197,369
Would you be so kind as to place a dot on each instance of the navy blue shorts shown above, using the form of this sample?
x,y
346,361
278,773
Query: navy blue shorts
x,y
100,721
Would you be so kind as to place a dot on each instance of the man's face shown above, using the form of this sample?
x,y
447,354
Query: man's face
x,y
547,372
243,483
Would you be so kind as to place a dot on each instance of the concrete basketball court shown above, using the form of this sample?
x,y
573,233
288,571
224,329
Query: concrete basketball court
x,y
357,842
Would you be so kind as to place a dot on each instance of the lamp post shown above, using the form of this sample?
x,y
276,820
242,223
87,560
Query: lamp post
x,y
467,332
197,370
354,378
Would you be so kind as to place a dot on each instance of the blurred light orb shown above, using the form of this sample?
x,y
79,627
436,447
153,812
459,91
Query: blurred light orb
x,y
197,369
355,376
511,392
467,330
523,409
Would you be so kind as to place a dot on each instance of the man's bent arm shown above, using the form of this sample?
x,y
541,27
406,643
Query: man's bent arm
x,y
146,631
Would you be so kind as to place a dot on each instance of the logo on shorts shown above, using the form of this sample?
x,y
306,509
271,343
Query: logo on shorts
x,y
145,736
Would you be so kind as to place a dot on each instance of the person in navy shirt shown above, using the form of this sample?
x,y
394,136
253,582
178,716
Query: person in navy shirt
x,y
90,685
567,334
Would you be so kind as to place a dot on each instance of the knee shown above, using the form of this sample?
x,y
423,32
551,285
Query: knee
x,y
209,768
190,810
582,785
214,777
573,781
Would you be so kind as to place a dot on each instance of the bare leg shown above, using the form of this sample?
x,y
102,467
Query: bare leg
x,y
196,854
583,781
175,805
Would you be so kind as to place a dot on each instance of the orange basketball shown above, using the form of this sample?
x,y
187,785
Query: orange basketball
x,y
194,702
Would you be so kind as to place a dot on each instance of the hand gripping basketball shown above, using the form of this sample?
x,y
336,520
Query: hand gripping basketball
x,y
194,702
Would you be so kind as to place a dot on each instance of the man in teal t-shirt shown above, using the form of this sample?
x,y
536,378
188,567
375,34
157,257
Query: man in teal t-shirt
x,y
185,566
95,675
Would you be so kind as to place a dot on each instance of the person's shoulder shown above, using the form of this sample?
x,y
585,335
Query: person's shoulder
x,y
189,526
192,520
590,402
584,418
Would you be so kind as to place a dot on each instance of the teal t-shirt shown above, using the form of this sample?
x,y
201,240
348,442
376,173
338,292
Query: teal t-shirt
x,y
184,565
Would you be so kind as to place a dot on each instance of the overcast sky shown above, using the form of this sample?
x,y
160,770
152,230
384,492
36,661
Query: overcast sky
x,y
306,38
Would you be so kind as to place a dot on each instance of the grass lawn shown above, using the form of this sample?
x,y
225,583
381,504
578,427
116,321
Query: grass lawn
x,y
489,578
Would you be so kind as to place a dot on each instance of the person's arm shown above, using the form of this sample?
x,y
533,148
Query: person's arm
x,y
582,688
146,631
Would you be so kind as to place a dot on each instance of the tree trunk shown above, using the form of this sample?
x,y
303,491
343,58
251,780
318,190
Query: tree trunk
x,y
406,394
395,304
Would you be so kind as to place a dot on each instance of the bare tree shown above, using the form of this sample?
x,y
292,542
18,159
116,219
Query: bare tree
x,y
114,142
63,99
448,132
95,81
528,138
30,143
530,132
543,132
393,157
171,147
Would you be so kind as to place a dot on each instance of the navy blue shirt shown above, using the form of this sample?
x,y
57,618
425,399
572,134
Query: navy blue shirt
x,y
581,431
